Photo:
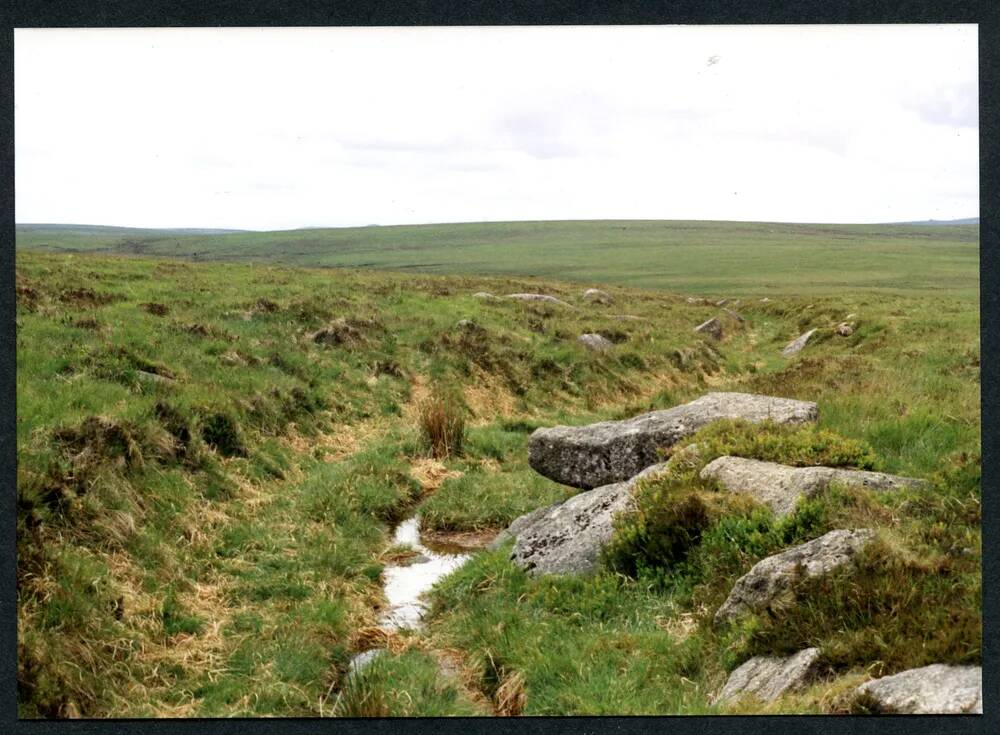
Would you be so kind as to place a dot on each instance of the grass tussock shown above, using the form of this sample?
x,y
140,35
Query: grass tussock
x,y
442,424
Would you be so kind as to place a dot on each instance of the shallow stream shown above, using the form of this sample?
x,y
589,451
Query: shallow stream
x,y
405,584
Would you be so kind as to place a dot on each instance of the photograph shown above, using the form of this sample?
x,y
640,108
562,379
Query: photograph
x,y
498,371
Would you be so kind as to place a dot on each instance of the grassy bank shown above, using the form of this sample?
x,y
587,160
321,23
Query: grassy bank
x,y
211,455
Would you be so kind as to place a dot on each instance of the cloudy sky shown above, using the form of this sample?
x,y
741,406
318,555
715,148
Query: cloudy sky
x,y
283,128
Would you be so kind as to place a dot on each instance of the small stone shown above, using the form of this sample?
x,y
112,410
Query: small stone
x,y
844,329
766,678
231,358
722,302
362,661
796,345
734,315
597,296
765,300
536,297
148,377
594,342
713,328
937,689
483,295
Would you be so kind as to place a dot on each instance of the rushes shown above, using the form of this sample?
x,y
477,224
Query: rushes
x,y
442,424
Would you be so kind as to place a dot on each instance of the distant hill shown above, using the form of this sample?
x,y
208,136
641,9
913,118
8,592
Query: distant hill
x,y
112,230
680,256
966,221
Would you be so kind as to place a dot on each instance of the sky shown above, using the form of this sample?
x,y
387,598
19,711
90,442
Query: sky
x,y
279,128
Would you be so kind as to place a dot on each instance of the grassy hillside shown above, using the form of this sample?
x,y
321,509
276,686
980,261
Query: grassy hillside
x,y
722,258
205,491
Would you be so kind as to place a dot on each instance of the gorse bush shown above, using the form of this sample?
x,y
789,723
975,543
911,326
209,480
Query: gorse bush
x,y
442,424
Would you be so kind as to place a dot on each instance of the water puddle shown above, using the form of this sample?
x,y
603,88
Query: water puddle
x,y
405,584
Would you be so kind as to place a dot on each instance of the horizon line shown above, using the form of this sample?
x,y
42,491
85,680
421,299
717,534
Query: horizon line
x,y
224,230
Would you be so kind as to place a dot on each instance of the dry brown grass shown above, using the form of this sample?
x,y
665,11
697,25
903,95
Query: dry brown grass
x,y
510,696
366,638
339,443
430,473
681,625
419,392
488,397
453,666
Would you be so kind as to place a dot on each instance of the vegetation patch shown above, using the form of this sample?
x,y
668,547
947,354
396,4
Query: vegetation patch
x,y
212,541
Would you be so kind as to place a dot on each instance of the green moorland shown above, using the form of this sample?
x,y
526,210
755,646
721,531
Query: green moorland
x,y
680,256
205,491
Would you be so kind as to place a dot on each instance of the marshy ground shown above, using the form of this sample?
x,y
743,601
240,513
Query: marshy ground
x,y
211,458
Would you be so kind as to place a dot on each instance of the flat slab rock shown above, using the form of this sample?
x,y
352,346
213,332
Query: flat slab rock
x,y
769,577
780,486
766,678
937,689
567,538
713,328
613,451
796,345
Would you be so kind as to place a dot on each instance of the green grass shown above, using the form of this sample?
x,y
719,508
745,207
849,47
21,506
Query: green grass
x,y
405,685
721,258
209,542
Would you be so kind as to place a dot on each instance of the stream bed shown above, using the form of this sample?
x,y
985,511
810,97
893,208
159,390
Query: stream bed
x,y
405,584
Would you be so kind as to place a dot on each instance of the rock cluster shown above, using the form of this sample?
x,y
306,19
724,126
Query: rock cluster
x,y
613,451
608,459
